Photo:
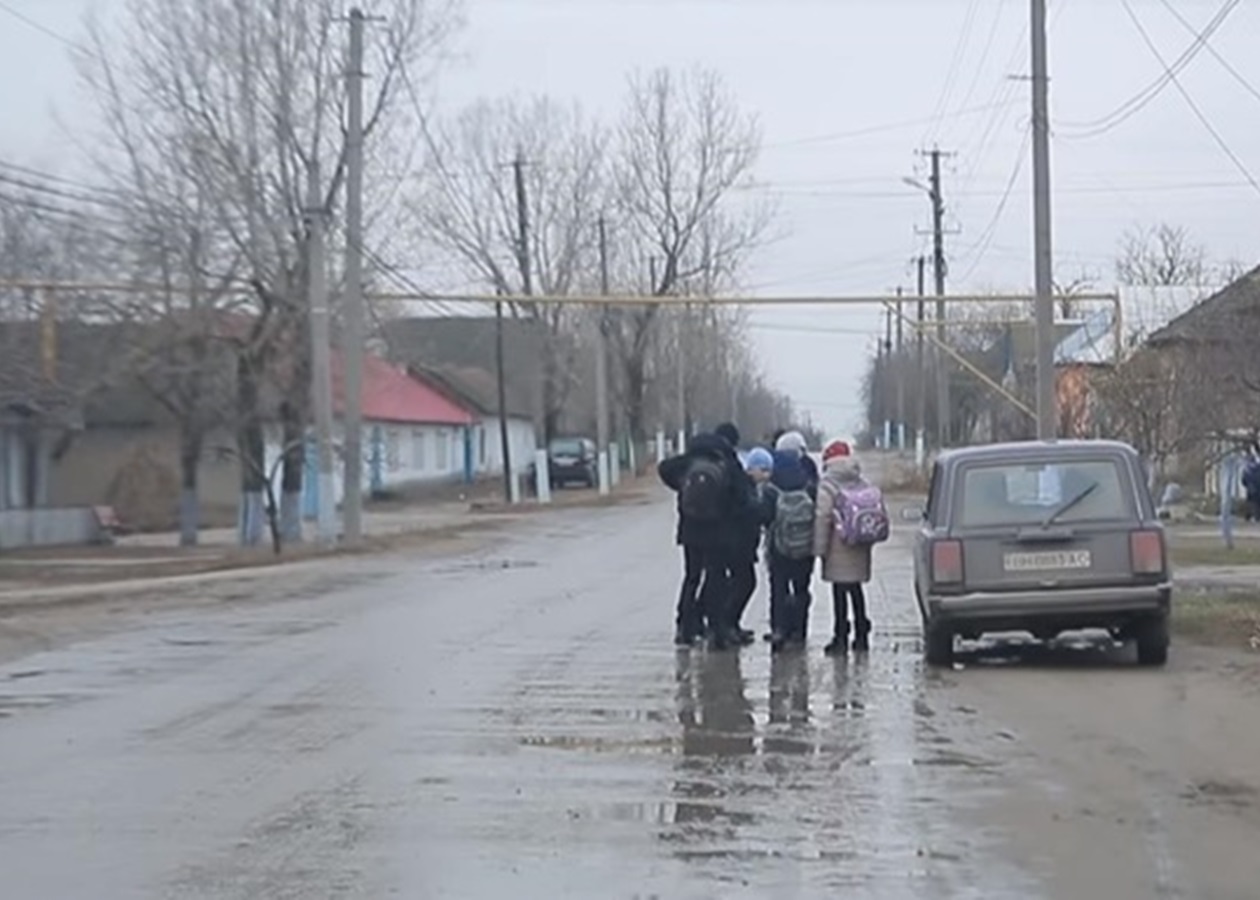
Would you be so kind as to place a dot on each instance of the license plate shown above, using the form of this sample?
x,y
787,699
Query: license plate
x,y
1047,561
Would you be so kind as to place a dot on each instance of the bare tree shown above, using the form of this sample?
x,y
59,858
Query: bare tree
x,y
684,150
469,210
228,103
1161,256
1158,403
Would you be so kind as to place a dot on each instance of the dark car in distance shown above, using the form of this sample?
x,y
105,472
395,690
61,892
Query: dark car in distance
x,y
1044,538
573,460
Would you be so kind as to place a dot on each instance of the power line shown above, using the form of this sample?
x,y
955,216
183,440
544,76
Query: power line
x,y
986,236
876,129
951,75
38,26
1242,79
1216,136
1143,98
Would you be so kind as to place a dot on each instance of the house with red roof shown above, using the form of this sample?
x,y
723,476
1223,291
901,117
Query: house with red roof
x,y
412,433
125,452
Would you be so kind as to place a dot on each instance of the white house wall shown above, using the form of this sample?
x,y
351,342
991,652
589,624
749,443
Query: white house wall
x,y
522,442
410,454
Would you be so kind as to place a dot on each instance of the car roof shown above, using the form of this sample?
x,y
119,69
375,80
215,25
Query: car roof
x,y
1018,450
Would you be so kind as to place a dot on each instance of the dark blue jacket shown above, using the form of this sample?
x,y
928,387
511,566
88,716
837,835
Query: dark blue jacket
x,y
790,473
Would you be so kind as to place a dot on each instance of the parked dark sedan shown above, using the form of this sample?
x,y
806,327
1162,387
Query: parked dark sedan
x,y
573,461
1042,537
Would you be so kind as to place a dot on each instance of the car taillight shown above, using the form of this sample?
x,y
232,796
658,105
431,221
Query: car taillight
x,y
1146,548
947,562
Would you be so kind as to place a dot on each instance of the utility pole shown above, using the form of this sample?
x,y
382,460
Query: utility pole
x,y
1047,415
601,366
505,443
522,225
889,373
899,374
921,367
321,363
938,270
354,313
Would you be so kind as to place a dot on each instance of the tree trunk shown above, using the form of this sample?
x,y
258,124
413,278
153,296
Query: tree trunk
x,y
189,499
293,428
294,414
636,395
251,450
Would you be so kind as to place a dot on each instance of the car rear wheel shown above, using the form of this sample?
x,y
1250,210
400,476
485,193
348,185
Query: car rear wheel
x,y
1152,641
938,644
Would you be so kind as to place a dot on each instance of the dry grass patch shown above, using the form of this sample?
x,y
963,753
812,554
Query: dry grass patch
x,y
1219,618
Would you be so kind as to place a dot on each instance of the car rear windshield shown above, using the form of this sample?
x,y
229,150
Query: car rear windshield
x,y
1079,490
566,448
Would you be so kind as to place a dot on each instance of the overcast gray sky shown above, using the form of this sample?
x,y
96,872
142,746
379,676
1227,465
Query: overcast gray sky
x,y
847,91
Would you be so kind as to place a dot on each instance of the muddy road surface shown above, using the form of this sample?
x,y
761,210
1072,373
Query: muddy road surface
x,y
517,723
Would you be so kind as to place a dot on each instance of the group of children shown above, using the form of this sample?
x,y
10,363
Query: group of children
x,y
777,499
836,517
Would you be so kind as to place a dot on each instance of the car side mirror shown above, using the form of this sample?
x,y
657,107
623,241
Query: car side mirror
x,y
913,513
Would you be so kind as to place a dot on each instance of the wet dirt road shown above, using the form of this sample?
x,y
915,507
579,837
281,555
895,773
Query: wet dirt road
x,y
517,723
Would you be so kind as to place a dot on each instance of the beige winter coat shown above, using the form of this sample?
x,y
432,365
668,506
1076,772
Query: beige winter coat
x,y
841,563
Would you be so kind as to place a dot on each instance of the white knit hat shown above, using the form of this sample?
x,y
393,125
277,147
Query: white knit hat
x,y
791,442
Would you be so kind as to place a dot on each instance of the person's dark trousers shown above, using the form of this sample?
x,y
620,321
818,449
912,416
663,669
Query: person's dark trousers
x,y
790,597
1253,508
780,594
716,598
689,620
800,576
843,598
743,586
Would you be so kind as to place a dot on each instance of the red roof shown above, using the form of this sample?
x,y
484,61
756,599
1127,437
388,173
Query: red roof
x,y
391,395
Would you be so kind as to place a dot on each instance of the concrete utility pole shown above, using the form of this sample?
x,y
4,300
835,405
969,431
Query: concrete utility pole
x,y
601,365
505,442
354,314
899,374
938,270
889,375
1047,415
522,226
321,363
920,437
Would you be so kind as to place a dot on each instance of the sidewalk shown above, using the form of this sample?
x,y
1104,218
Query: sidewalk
x,y
1233,578
376,523
143,563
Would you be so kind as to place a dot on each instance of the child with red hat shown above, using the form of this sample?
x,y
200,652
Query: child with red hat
x,y
847,567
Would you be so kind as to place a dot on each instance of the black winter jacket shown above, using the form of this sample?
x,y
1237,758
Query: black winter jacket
x,y
730,532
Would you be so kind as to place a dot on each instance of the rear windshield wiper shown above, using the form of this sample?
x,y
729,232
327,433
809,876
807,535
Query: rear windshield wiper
x,y
1064,507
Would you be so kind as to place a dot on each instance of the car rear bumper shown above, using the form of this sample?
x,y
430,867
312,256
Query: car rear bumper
x,y
1087,604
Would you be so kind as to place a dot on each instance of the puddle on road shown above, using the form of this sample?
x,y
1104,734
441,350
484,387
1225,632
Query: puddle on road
x,y
665,813
485,565
16,703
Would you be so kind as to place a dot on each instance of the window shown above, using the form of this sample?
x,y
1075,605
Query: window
x,y
568,447
393,450
934,496
1027,493
419,456
443,453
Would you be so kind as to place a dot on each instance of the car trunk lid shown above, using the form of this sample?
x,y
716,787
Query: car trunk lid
x,y
1029,559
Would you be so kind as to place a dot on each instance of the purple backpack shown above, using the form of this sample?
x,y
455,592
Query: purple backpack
x,y
861,519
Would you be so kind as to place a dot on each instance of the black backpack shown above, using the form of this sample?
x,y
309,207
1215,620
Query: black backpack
x,y
703,495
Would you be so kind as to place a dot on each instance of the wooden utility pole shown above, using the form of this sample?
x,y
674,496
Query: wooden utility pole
x,y
938,271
